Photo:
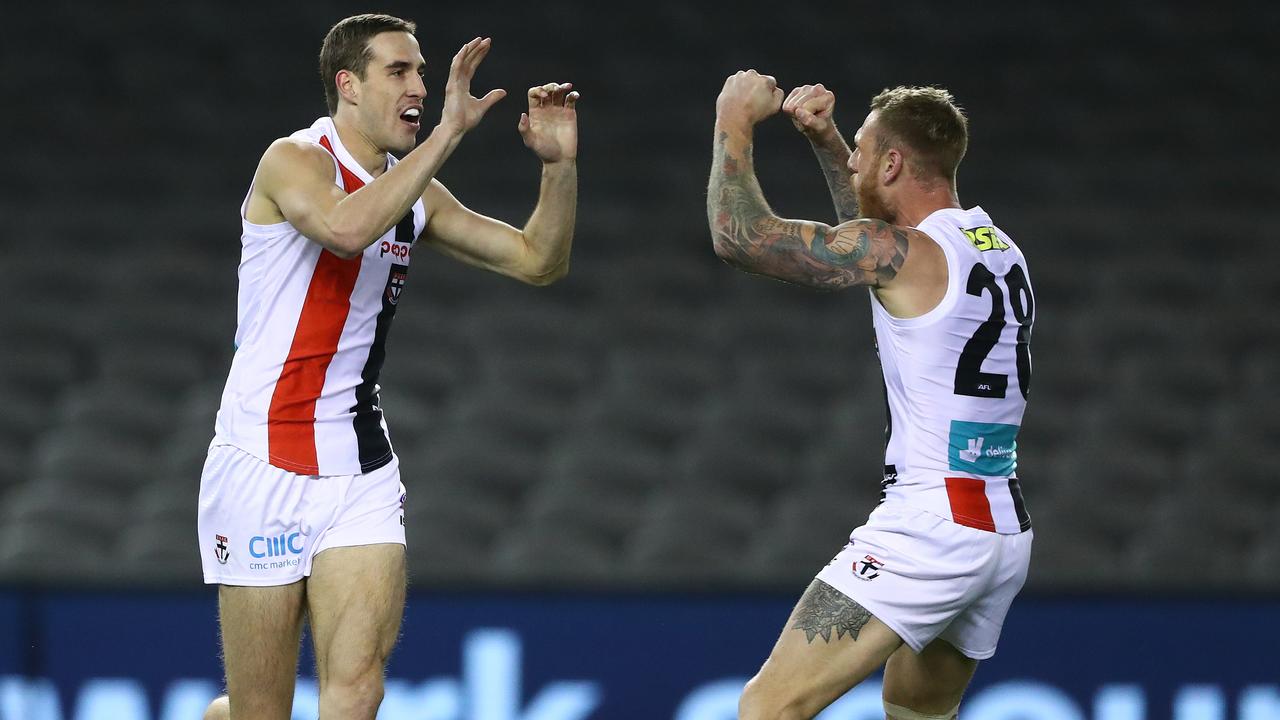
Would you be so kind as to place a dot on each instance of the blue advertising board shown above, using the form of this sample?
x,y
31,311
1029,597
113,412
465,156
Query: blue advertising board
x,y
598,657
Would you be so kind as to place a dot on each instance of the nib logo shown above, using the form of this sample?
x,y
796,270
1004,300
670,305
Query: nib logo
x,y
974,452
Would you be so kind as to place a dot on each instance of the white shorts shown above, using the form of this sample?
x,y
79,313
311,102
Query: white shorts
x,y
260,525
927,577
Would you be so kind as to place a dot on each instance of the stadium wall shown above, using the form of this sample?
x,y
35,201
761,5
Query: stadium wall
x,y
80,656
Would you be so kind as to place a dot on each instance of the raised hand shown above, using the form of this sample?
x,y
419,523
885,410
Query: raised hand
x,y
748,97
461,110
810,108
550,128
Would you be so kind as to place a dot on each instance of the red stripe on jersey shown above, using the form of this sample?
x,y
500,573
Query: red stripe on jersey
x,y
350,181
969,504
291,437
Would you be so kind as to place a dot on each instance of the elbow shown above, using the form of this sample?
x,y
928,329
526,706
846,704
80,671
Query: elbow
x,y
345,243
547,275
724,249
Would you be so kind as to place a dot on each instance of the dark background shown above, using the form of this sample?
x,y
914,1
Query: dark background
x,y
656,420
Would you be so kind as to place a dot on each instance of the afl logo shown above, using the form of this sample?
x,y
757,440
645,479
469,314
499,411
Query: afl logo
x,y
395,283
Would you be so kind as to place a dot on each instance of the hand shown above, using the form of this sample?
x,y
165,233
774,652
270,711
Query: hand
x,y
748,97
811,108
462,111
550,128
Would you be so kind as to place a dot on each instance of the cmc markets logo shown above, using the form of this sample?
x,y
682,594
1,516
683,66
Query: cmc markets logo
x,y
261,546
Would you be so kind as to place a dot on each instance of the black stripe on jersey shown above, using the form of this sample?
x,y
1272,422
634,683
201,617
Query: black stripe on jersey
x,y
890,477
373,443
1019,506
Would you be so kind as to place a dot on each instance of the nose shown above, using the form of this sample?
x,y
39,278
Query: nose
x,y
418,89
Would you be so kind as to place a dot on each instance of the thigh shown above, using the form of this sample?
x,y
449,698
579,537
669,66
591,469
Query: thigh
x,y
830,644
931,681
355,598
260,633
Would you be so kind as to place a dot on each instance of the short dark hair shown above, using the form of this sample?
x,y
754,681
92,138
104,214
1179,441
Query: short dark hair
x,y
928,121
346,47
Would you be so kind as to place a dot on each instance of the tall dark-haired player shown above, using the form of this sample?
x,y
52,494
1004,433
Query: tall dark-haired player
x,y
301,505
923,587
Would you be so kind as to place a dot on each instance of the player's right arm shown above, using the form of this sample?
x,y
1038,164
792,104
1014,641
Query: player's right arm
x,y
811,108
294,181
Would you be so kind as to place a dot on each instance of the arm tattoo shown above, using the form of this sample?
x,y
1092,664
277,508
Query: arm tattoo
x,y
834,162
823,609
747,234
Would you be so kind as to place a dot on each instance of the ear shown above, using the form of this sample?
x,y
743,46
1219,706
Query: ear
x,y
348,85
892,166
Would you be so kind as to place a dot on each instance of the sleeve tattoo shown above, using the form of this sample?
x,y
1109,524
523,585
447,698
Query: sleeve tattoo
x,y
747,234
824,609
834,168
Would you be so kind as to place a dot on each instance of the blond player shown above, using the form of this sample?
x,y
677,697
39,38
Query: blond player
x,y
923,587
301,505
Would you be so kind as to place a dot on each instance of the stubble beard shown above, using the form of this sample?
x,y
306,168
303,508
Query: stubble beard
x,y
871,203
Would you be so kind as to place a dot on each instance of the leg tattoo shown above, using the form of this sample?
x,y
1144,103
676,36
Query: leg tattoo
x,y
823,608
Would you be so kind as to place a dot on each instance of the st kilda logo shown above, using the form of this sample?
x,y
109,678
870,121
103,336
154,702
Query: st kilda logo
x,y
395,283
868,568
220,550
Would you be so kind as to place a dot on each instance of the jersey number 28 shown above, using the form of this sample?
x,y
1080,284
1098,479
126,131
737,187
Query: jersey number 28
x,y
970,380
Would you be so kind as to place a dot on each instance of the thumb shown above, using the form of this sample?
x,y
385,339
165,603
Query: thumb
x,y
523,125
805,117
491,98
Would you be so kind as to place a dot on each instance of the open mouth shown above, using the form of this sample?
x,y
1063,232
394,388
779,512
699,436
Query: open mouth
x,y
411,116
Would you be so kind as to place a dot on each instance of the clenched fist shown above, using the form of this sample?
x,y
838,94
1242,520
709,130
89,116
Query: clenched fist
x,y
811,108
748,97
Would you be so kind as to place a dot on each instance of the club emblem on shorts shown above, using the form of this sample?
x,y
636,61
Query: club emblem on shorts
x,y
868,568
220,549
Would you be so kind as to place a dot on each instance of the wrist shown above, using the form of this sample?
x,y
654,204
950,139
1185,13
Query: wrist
x,y
449,130
828,139
734,125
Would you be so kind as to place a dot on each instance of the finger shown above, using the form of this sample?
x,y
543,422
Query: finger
x,y
562,91
536,95
478,54
777,98
459,57
571,100
772,82
792,99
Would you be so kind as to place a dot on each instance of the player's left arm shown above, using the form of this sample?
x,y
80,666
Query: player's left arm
x,y
747,234
538,253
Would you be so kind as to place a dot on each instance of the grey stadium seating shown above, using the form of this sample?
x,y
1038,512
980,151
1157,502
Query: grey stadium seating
x,y
657,420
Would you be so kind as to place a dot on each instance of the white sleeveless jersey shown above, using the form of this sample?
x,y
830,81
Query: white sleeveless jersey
x,y
311,338
956,380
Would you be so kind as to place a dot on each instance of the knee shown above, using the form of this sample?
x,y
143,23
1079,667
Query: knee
x,y
899,712
762,700
356,695
219,709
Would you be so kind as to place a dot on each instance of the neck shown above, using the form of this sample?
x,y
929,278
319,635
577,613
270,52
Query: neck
x,y
372,158
918,205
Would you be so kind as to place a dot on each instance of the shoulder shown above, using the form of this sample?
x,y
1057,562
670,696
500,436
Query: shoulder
x,y
296,154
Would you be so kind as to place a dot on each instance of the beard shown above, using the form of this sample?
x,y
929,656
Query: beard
x,y
872,203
